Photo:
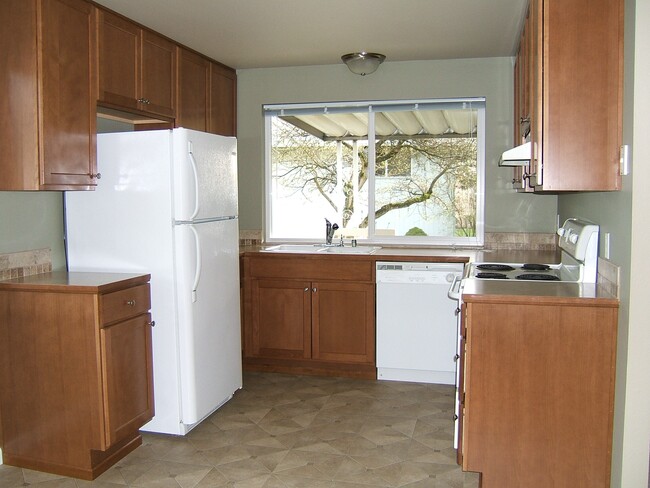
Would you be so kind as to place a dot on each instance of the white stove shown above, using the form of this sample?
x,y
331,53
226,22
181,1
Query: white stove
x,y
578,240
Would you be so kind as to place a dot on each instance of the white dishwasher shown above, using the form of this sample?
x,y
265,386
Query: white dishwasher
x,y
416,322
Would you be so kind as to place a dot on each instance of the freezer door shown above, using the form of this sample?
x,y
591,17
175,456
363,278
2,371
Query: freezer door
x,y
205,175
207,270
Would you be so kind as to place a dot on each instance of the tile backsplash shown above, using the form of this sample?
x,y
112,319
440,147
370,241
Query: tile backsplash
x,y
250,237
25,263
525,241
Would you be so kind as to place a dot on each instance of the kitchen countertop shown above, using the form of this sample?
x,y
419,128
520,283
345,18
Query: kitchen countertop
x,y
395,253
476,290
76,282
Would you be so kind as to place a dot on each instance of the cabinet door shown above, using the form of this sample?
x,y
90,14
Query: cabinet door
x,y
281,318
539,393
158,74
535,80
68,96
192,90
127,377
119,53
343,322
582,94
223,101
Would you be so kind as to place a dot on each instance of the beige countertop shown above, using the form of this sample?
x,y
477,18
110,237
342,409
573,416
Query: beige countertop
x,y
388,253
77,282
504,291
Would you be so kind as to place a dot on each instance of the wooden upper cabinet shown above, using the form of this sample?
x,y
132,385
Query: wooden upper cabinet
x,y
47,78
192,90
206,95
137,68
576,87
223,101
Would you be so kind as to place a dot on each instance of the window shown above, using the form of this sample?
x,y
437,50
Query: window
x,y
400,172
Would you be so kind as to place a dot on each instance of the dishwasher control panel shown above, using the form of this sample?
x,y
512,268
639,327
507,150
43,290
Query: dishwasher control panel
x,y
425,273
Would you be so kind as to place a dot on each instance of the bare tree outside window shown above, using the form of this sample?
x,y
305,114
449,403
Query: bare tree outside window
x,y
424,186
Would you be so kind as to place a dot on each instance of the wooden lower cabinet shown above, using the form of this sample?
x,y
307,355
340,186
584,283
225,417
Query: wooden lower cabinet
x,y
76,377
310,326
538,390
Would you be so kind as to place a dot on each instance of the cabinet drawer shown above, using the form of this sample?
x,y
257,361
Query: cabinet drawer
x,y
312,268
125,303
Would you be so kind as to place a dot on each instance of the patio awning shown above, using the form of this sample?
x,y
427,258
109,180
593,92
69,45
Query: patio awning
x,y
402,124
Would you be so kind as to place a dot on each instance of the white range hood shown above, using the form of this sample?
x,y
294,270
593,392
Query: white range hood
x,y
517,156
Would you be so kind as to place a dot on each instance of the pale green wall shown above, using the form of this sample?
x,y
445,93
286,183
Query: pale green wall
x,y
624,215
492,78
32,220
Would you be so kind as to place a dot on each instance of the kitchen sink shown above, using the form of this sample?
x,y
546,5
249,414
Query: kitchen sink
x,y
319,248
303,248
351,250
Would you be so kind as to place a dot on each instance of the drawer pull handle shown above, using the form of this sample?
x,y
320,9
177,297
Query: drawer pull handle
x,y
130,303
152,323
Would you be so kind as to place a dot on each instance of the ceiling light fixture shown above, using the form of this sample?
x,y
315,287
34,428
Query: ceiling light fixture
x,y
363,63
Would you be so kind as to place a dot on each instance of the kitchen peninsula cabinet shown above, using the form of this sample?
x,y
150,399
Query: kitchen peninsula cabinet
x,y
538,390
75,370
313,315
573,85
48,102
137,67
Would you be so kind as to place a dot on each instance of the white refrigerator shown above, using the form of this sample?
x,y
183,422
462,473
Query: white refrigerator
x,y
166,204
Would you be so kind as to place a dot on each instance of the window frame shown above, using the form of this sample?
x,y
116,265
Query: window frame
x,y
373,107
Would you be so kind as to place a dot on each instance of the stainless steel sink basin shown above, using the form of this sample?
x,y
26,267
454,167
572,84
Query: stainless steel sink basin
x,y
303,248
351,250
318,248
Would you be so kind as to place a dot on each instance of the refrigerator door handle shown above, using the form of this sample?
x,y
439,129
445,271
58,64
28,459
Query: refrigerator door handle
x,y
195,174
197,271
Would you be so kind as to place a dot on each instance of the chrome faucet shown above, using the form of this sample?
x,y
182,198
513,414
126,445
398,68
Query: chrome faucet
x,y
329,232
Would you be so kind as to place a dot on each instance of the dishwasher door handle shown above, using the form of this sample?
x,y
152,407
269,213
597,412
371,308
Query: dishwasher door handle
x,y
454,289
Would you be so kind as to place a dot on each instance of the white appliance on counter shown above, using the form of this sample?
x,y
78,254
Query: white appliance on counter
x,y
166,204
416,323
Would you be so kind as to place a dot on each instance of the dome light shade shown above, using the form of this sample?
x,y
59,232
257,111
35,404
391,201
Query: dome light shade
x,y
363,63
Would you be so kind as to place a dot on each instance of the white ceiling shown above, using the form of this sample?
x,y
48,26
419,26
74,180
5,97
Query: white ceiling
x,y
274,33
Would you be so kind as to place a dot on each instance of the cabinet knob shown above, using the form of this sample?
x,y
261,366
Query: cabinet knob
x,y
306,288
97,176
130,303
314,289
152,323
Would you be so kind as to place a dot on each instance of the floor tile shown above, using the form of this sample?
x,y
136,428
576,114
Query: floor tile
x,y
287,431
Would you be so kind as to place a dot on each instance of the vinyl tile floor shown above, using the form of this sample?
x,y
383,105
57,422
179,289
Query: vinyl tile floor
x,y
284,431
